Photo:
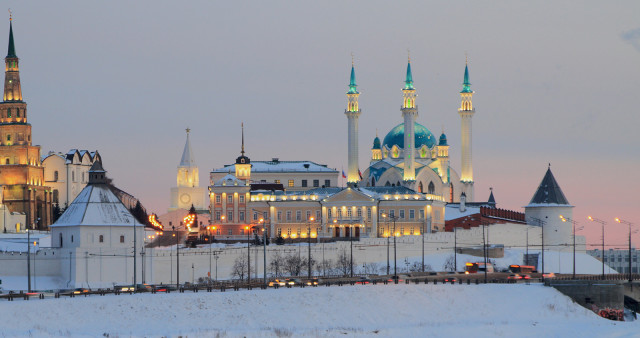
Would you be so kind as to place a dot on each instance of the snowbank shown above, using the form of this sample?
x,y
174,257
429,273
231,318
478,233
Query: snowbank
x,y
380,310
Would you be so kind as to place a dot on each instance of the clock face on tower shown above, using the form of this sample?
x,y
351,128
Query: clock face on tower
x,y
185,198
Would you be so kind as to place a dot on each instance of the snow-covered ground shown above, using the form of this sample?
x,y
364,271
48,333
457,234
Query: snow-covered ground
x,y
369,310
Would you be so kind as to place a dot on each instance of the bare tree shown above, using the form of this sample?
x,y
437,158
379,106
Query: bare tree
x,y
370,268
417,267
305,265
449,264
277,265
293,265
325,267
239,269
343,265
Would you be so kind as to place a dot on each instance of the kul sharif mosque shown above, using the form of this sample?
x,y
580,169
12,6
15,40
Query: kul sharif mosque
x,y
410,155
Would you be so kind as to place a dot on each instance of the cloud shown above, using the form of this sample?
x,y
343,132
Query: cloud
x,y
632,37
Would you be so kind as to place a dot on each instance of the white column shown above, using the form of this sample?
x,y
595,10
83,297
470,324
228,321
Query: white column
x,y
352,168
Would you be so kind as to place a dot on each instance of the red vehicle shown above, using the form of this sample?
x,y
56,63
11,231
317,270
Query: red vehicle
x,y
522,268
477,267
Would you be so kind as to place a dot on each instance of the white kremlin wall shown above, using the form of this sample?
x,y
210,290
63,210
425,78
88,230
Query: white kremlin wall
x,y
95,269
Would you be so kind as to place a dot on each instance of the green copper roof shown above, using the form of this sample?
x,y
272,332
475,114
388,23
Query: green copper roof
x,y
408,82
352,82
422,137
12,48
466,86
376,143
443,140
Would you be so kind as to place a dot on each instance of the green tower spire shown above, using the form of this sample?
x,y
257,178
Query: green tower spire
x,y
352,81
12,48
408,82
466,86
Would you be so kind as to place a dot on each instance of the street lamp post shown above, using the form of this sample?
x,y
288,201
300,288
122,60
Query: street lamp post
x,y
423,222
541,225
28,261
484,253
455,250
248,255
593,219
351,244
177,256
309,257
388,233
264,251
629,224
566,219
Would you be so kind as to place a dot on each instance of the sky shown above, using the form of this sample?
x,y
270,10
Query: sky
x,y
555,82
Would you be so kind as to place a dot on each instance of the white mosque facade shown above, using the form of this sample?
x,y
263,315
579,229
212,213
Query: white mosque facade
x,y
413,157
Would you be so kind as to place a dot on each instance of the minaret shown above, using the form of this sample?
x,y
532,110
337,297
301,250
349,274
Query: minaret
x,y
466,112
353,112
21,170
409,113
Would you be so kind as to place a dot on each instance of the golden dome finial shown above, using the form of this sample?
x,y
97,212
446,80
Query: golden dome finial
x,y
10,15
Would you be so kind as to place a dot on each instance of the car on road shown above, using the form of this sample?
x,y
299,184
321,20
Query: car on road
x,y
363,280
451,280
549,275
277,282
514,276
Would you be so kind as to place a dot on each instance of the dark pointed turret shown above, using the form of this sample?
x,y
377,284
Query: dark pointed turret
x,y
549,191
492,201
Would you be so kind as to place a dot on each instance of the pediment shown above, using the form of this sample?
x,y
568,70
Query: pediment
x,y
349,195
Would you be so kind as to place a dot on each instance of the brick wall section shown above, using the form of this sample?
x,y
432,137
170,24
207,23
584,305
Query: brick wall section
x,y
485,216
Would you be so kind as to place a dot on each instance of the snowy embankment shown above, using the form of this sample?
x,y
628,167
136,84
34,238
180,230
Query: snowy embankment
x,y
370,310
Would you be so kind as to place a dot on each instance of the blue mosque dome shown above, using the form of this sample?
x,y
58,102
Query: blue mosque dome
x,y
423,137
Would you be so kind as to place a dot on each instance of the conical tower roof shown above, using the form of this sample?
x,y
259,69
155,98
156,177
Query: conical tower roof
x,y
188,160
11,53
96,205
408,81
549,192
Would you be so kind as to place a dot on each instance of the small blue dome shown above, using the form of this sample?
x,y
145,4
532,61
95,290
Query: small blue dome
x,y
443,140
423,137
376,143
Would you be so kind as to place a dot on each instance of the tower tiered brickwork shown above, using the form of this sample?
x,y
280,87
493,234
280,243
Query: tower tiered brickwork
x,y
21,170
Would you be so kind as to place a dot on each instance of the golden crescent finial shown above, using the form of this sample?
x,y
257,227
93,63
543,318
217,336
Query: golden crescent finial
x,y
188,130
409,55
10,15
352,63
466,58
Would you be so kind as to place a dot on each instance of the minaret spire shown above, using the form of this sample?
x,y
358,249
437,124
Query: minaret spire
x,y
466,112
353,112
409,113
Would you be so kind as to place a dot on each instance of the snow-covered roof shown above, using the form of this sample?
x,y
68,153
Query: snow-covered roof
x,y
277,166
453,211
229,180
96,205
